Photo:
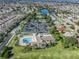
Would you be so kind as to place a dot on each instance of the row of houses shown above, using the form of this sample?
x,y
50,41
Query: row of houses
x,y
9,21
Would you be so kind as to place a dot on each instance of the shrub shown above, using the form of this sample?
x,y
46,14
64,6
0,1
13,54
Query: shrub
x,y
69,42
7,52
27,48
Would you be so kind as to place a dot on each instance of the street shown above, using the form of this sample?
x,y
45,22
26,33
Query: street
x,y
3,44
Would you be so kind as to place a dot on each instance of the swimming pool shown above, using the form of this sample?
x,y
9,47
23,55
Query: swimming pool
x,y
27,40
44,11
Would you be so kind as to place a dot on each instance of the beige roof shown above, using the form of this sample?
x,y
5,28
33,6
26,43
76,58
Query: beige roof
x,y
68,34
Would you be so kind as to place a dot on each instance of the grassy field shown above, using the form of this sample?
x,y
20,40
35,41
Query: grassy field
x,y
56,52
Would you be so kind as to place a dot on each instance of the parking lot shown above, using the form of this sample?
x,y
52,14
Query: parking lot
x,y
36,26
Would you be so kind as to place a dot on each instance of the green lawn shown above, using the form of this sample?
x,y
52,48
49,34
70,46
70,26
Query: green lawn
x,y
56,52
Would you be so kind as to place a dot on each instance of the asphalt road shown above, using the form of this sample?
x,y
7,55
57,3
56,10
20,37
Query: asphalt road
x,y
3,44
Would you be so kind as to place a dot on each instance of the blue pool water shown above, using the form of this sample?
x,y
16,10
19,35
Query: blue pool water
x,y
27,40
44,11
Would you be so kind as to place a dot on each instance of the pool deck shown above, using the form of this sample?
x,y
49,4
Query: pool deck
x,y
33,36
36,38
